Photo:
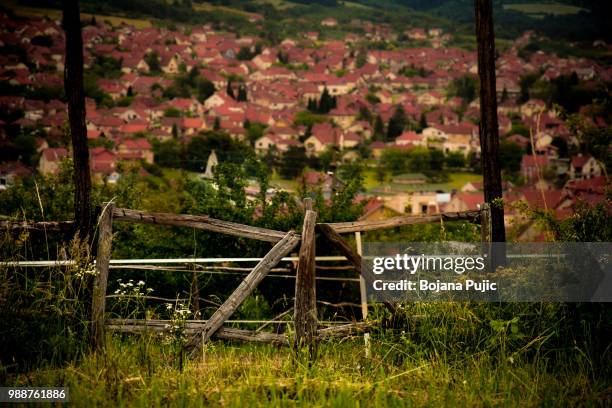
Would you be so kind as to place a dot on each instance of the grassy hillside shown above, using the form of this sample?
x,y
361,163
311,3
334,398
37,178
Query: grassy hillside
x,y
574,20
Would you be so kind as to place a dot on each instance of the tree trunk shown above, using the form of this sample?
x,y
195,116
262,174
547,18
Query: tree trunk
x,y
73,85
489,136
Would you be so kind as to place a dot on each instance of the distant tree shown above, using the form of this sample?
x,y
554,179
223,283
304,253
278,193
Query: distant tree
x,y
372,98
455,160
365,114
561,145
465,87
327,157
242,94
25,144
326,103
227,149
312,105
244,54
380,173
130,92
230,89
167,153
422,122
436,159
217,124
397,123
254,131
361,59
204,89
525,83
504,95
379,129
510,155
153,61
293,162
519,128
192,77
283,57
172,112
174,131
419,159
394,161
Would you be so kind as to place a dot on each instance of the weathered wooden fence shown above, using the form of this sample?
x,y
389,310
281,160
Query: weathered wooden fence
x,y
308,329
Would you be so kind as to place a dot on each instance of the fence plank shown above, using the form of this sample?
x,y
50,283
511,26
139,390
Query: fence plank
x,y
105,239
225,333
354,226
282,248
305,307
61,226
203,222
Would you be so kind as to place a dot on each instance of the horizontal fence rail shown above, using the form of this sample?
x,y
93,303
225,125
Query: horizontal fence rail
x,y
361,226
203,222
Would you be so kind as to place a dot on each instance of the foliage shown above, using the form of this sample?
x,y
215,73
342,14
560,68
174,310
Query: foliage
x,y
306,118
172,112
106,67
593,139
397,123
187,85
465,87
293,162
510,156
412,71
325,103
153,61
397,161
455,160
254,130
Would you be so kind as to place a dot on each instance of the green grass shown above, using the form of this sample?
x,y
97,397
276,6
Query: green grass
x,y
142,373
56,14
457,180
544,8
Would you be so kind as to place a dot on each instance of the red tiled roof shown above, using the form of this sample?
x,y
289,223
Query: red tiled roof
x,y
580,160
54,153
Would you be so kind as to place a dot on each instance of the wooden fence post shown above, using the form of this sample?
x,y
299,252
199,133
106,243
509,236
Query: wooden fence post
x,y
363,295
487,233
305,307
105,239
195,293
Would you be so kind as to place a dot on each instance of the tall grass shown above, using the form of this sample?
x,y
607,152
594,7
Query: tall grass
x,y
44,313
262,375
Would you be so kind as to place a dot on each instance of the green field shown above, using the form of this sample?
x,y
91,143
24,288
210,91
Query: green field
x,y
544,8
56,14
457,180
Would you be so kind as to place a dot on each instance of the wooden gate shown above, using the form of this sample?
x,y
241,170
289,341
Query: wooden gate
x,y
307,330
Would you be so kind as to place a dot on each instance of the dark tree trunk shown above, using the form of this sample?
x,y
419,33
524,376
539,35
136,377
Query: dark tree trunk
x,y
489,134
73,85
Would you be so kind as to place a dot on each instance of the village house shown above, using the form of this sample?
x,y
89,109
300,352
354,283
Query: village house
x,y
50,159
12,170
584,167
135,149
324,135
532,166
